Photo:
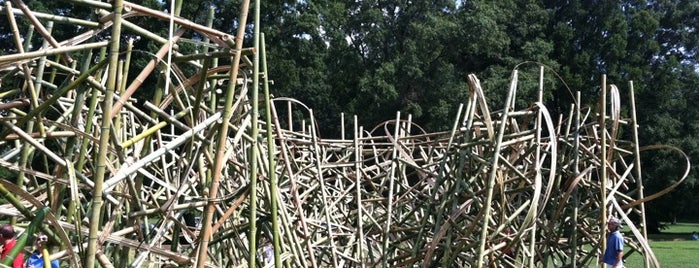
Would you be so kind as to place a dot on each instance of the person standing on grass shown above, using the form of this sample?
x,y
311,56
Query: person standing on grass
x,y
615,245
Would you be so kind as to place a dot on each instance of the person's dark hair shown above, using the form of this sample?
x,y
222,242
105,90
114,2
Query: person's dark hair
x,y
7,231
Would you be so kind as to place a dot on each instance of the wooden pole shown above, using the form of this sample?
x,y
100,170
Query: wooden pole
x,y
271,152
40,28
101,163
494,172
603,162
144,74
254,133
222,141
637,169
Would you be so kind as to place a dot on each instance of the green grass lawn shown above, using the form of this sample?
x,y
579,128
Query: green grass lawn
x,y
673,247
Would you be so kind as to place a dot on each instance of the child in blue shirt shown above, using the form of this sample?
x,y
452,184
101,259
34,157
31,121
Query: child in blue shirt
x,y
36,260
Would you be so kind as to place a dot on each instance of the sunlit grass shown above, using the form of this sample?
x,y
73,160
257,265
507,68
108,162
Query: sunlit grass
x,y
673,247
670,254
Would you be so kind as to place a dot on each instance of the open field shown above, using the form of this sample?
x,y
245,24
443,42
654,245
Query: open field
x,y
673,247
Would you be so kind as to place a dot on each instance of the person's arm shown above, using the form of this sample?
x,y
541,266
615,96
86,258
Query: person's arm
x,y
619,259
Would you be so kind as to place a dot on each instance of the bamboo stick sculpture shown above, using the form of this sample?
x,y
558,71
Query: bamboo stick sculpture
x,y
508,188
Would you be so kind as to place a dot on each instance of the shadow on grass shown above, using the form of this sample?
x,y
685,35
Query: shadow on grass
x,y
681,231
670,237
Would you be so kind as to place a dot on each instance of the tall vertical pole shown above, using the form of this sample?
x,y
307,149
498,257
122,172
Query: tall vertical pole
x,y
576,171
323,190
358,184
220,158
494,169
537,164
637,168
95,217
389,203
276,239
603,161
254,131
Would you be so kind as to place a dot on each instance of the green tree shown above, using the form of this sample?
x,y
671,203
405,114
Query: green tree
x,y
649,42
389,56
496,37
666,100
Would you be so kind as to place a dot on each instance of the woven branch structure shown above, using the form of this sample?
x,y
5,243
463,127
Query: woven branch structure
x,y
214,172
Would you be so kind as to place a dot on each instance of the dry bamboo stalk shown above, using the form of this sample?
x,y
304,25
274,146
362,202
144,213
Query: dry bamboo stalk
x,y
142,76
31,87
493,171
537,158
133,27
40,27
576,169
326,213
153,129
34,143
35,135
603,157
122,174
94,4
221,38
96,220
293,188
271,152
173,119
223,134
637,162
56,18
391,178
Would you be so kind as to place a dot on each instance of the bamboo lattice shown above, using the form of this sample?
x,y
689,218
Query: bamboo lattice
x,y
169,183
